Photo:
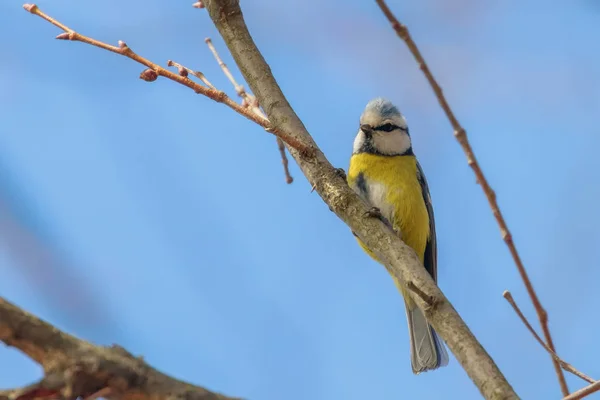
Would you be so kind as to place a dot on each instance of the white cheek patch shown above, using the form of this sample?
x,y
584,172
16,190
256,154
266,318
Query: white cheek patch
x,y
396,142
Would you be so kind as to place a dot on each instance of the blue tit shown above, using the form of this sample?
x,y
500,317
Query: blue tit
x,y
386,174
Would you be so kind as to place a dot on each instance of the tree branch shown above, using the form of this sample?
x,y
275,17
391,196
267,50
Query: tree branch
x,y
76,368
461,137
400,260
155,70
581,393
565,365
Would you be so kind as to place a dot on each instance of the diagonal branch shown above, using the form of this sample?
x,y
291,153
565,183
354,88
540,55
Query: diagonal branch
x,y
156,70
400,260
461,136
565,365
76,368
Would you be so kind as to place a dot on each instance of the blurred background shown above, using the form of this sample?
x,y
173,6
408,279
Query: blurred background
x,y
145,215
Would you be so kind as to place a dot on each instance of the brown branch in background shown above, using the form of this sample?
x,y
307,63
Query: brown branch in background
x,y
156,70
461,136
581,393
74,368
251,102
565,365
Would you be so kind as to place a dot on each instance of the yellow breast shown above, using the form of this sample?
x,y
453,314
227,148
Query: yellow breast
x,y
391,184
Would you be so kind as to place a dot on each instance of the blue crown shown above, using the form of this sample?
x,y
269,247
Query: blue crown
x,y
383,107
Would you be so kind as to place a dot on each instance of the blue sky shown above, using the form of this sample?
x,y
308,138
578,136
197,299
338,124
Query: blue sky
x,y
142,214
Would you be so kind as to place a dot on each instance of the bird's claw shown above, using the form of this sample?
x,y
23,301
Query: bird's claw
x,y
341,173
374,212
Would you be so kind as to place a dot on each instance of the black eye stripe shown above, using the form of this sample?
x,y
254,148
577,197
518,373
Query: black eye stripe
x,y
388,128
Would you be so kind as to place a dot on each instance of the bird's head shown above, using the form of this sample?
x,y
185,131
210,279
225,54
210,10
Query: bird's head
x,y
383,130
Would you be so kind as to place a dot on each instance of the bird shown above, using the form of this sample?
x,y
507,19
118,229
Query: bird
x,y
385,173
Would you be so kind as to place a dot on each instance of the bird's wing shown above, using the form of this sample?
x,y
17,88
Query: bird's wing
x,y
430,258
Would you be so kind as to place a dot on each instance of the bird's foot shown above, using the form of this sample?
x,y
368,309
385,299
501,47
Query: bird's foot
x,y
374,212
341,173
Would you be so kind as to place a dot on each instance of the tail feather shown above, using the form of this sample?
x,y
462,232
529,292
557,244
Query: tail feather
x,y
427,351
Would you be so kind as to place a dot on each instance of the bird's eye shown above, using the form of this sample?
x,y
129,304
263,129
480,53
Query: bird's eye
x,y
387,127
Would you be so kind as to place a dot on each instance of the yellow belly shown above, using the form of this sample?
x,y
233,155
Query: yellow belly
x,y
391,184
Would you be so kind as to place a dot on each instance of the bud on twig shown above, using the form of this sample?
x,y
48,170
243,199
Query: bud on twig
x,y
32,7
149,75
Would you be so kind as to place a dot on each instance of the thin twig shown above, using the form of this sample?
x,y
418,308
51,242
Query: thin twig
x,y
565,365
251,102
157,70
239,89
461,136
184,71
284,161
581,393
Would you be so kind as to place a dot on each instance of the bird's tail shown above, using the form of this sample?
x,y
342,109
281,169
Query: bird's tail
x,y
427,351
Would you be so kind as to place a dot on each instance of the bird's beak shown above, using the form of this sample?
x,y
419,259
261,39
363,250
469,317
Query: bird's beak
x,y
367,129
